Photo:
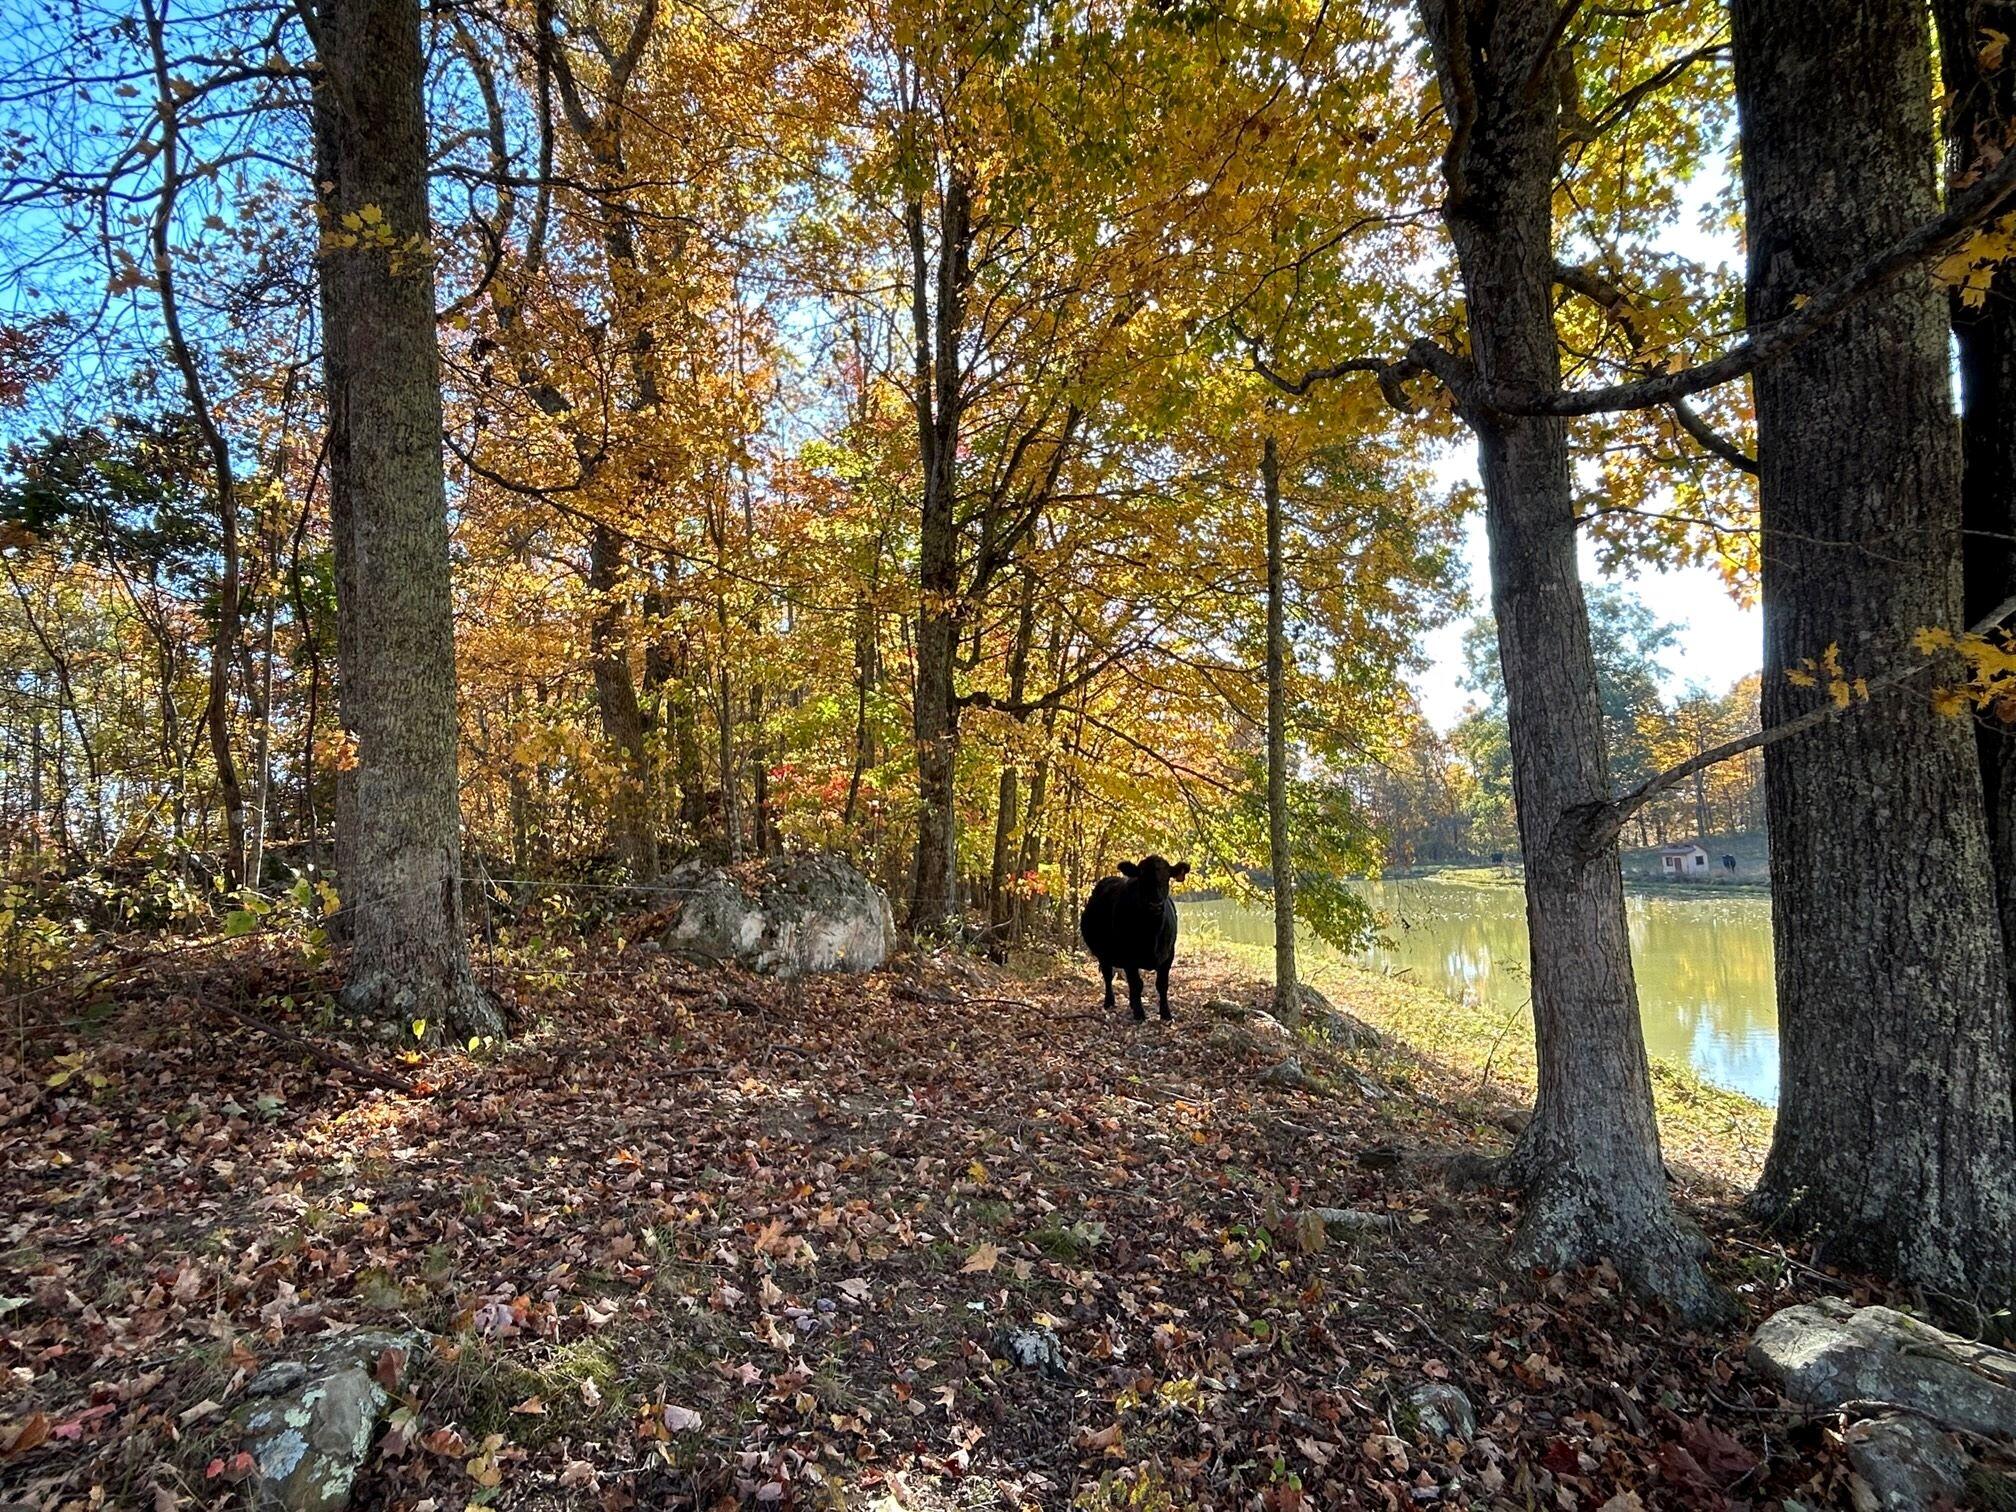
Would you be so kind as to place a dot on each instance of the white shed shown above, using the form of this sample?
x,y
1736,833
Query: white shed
x,y
1685,861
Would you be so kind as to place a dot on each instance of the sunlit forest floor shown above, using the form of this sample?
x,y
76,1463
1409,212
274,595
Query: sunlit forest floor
x,y
695,1238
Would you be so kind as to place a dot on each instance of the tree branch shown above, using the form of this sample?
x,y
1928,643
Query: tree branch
x,y
1983,200
1602,823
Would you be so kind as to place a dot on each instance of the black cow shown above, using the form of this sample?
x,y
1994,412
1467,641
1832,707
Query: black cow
x,y
1129,923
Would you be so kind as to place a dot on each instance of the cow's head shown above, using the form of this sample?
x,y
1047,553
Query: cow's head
x,y
1155,874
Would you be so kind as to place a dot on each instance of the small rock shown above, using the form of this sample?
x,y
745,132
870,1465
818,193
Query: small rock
x,y
1906,1462
1470,1172
1344,1030
1830,1353
1289,1073
309,1430
1225,1008
1443,1411
1234,1039
1346,1221
1033,1349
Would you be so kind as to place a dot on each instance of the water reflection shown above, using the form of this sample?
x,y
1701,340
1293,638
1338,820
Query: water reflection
x,y
1703,965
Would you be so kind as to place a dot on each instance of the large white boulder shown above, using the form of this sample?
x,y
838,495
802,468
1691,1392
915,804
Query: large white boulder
x,y
1831,1354
801,914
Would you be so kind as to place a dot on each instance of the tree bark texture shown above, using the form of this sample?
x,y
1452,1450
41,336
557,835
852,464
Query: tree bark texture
x,y
409,953
1894,1143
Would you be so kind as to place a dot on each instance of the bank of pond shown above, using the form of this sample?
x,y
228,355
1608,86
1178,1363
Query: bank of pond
x,y
1702,956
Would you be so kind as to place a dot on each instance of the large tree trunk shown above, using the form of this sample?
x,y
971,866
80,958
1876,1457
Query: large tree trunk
x,y
938,329
1589,1161
1980,124
1280,854
409,955
631,814
1894,1142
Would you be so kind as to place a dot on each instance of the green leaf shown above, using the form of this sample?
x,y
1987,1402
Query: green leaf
x,y
240,921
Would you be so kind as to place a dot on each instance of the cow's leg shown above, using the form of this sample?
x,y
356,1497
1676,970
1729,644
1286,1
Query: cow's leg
x,y
1134,993
1107,972
1162,990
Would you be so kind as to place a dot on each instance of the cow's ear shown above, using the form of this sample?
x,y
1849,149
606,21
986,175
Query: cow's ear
x,y
1129,869
1179,871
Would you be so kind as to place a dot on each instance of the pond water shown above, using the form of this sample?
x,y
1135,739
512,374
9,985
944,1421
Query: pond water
x,y
1703,963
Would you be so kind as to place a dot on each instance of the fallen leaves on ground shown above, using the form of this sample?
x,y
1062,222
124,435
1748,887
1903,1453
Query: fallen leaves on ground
x,y
695,1239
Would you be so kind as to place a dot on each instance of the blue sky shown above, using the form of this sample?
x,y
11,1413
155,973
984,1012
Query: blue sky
x,y
1720,640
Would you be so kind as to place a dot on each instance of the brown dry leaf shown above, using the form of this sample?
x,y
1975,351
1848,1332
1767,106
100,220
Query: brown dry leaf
x,y
985,1258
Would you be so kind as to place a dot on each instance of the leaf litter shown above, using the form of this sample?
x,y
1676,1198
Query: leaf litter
x,y
693,1238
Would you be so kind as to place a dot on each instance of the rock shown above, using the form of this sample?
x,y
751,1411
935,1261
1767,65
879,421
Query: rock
x,y
1906,1462
1344,1030
311,1422
1289,1073
1442,1411
1829,1353
1346,1221
1033,1349
1235,1039
1470,1172
809,913
1225,1008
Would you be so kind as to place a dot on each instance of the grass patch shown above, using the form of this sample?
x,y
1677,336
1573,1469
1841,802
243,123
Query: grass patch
x,y
535,1394
1723,1134
1072,1242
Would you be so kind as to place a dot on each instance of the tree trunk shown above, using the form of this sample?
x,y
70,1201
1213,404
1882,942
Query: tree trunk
x,y
622,717
1280,856
867,671
224,640
1894,1142
1007,818
388,508
938,327
765,835
1980,122
724,731
1589,1161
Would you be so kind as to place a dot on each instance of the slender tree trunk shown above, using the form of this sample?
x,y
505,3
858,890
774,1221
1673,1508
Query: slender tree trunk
x,y
1980,127
520,803
731,798
764,835
262,751
622,717
409,955
1896,1138
867,672
1589,1161
224,640
1280,855
1007,818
